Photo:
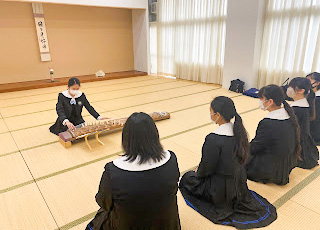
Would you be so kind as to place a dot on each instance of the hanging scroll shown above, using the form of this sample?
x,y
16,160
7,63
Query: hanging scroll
x,y
41,31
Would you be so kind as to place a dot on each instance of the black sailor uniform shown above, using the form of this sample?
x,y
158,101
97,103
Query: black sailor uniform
x,y
309,153
272,151
315,125
71,111
218,190
138,197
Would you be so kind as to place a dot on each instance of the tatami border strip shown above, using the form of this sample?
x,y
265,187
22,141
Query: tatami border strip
x,y
77,221
10,153
296,189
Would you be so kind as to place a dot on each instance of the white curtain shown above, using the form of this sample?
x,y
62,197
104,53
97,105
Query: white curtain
x,y
291,40
153,47
191,39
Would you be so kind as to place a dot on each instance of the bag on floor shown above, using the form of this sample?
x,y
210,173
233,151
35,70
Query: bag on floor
x,y
237,86
253,92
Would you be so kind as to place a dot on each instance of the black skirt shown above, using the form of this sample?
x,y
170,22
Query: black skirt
x,y
248,211
309,153
315,125
58,127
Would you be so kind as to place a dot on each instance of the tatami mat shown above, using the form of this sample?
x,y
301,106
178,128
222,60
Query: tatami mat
x,y
309,197
54,90
186,158
191,220
294,216
7,144
174,104
90,90
78,186
31,120
25,208
66,180
13,171
54,158
3,127
257,114
154,96
81,226
46,105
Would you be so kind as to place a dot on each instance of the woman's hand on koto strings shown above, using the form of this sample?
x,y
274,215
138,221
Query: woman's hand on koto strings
x,y
70,126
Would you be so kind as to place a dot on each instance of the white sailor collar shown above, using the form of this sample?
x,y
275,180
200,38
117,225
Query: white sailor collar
x,y
122,163
317,93
301,103
225,130
279,114
67,94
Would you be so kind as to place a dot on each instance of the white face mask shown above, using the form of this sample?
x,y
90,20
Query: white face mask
x,y
261,106
214,122
73,92
290,92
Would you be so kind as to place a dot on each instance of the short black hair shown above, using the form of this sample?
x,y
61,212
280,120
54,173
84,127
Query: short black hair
x,y
140,139
73,81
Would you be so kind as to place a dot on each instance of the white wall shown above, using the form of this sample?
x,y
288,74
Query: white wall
x,y
133,4
243,41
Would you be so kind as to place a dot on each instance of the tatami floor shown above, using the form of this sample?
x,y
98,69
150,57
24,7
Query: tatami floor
x,y
44,186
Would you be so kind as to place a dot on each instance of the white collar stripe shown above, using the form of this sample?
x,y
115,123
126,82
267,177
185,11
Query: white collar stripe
x,y
301,103
317,93
279,114
225,130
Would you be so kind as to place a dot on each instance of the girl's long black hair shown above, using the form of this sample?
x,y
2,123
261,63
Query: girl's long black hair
x,y
140,139
304,83
227,110
275,93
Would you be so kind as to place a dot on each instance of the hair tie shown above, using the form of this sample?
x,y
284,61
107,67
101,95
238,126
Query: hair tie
x,y
236,115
